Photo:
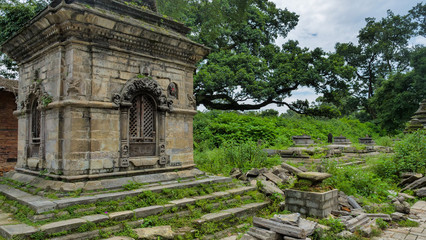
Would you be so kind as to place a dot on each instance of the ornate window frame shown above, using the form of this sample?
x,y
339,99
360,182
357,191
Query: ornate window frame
x,y
35,156
134,87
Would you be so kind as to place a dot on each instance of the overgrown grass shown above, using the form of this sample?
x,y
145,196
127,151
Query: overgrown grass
x,y
246,155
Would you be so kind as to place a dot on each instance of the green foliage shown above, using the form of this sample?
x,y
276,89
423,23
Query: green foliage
x,y
13,16
352,181
408,223
410,153
246,155
381,223
335,224
213,128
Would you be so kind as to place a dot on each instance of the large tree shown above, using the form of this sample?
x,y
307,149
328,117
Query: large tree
x,y
13,16
382,50
245,69
398,97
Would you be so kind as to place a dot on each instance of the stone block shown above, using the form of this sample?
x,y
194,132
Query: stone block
x,y
42,206
62,225
17,231
148,211
120,216
95,218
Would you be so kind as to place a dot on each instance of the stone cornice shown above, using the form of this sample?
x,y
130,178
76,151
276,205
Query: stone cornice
x,y
77,22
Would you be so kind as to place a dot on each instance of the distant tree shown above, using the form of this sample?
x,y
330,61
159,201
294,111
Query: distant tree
x,y
13,16
382,51
398,96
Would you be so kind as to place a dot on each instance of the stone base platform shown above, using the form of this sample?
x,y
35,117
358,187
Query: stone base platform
x,y
100,182
52,221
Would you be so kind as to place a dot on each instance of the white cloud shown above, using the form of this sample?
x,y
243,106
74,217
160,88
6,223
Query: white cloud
x,y
335,21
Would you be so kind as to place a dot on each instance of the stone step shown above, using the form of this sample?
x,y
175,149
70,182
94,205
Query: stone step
x,y
41,204
10,231
248,209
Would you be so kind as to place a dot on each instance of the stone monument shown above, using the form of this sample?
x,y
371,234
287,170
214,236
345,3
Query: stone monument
x,y
418,120
367,140
303,140
105,90
341,140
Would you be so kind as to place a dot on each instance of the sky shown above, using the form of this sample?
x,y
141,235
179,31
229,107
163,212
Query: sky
x,y
323,23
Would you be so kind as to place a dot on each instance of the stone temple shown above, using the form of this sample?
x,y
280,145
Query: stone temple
x,y
105,90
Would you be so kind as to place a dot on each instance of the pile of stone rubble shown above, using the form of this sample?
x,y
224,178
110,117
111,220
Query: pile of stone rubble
x,y
270,179
415,182
287,227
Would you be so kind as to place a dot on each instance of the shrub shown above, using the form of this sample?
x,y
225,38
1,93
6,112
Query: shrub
x,y
410,153
246,155
354,181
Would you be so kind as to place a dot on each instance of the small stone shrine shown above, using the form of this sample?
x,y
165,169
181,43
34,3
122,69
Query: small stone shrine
x,y
367,140
418,120
341,140
303,140
106,89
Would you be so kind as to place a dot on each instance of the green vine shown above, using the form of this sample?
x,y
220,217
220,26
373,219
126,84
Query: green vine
x,y
46,99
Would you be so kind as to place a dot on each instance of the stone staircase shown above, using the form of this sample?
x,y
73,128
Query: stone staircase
x,y
200,207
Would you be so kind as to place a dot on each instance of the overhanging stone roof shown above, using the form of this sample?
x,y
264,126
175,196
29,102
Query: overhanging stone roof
x,y
108,23
8,85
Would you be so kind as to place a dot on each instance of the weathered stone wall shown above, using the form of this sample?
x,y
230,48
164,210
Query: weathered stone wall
x,y
8,131
76,59
311,203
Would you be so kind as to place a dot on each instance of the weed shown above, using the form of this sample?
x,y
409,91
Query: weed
x,y
381,223
408,223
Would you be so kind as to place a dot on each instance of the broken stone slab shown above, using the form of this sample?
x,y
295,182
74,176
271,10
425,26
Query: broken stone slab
x,y
253,173
403,207
345,234
397,216
410,179
290,219
419,183
17,231
353,202
269,188
273,178
247,237
262,234
410,174
147,211
421,192
385,217
271,152
308,226
164,232
290,168
406,196
62,225
284,229
235,173
313,176
356,222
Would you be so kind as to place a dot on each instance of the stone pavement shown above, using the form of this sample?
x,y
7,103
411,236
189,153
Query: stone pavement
x,y
409,233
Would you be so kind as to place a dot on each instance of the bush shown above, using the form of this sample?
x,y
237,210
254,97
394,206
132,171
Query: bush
x,y
410,153
354,181
232,154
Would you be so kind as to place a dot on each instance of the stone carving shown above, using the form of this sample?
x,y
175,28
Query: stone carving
x,y
138,85
172,90
34,91
191,101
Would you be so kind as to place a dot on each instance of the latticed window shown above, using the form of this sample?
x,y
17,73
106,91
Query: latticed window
x,y
35,129
35,122
142,126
